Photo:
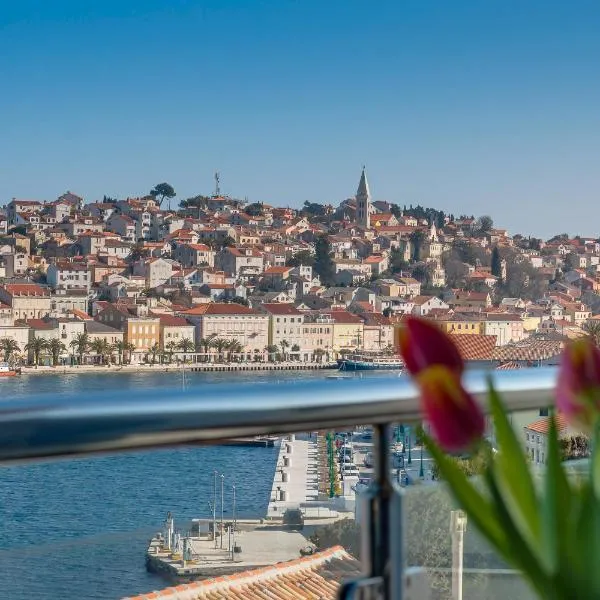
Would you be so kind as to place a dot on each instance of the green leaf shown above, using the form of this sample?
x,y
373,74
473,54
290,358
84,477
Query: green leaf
x,y
586,574
556,507
477,507
513,476
520,552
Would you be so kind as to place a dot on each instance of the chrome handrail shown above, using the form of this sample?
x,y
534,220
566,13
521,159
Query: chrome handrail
x,y
62,426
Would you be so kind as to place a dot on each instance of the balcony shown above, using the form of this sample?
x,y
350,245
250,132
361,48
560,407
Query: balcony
x,y
395,526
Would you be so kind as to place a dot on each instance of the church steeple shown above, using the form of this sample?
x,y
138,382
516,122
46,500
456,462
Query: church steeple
x,y
363,202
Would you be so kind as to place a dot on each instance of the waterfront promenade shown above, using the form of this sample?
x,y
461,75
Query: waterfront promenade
x,y
177,368
296,480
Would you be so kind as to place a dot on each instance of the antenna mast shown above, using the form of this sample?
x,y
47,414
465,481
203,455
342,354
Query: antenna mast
x,y
217,187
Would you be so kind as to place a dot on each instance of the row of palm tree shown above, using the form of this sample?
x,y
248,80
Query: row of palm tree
x,y
82,345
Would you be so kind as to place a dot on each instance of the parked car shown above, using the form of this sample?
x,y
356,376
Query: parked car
x,y
368,460
367,434
293,518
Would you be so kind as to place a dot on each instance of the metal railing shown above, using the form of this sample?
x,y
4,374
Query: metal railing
x,y
54,427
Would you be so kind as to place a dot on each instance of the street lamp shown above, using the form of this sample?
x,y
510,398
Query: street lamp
x,y
421,472
402,436
214,507
409,453
222,481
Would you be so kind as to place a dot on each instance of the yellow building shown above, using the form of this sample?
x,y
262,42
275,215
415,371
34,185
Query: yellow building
x,y
348,331
461,325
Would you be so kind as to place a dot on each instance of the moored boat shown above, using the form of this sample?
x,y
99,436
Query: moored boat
x,y
6,371
366,362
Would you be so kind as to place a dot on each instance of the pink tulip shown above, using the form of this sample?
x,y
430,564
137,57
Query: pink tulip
x,y
578,387
423,344
453,414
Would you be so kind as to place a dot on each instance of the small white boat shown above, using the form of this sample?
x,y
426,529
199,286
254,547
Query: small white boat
x,y
6,371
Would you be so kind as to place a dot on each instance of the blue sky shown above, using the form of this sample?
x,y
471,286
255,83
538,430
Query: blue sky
x,y
488,106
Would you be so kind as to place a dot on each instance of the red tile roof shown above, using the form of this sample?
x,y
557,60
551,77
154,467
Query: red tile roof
x,y
277,270
310,577
344,317
25,289
276,308
542,425
475,346
220,308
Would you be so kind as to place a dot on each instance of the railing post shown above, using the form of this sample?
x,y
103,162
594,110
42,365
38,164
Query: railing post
x,y
382,548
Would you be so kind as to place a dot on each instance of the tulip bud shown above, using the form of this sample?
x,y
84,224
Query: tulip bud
x,y
578,386
453,414
423,344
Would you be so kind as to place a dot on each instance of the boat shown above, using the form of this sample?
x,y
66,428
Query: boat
x,y
6,371
370,362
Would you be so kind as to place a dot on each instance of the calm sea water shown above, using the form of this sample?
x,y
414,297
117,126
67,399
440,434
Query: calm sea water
x,y
79,528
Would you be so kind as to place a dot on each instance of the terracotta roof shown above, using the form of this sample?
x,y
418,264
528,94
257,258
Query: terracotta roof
x,y
529,350
25,289
281,308
39,324
172,321
277,270
343,316
80,314
220,308
542,425
199,247
508,366
475,346
310,577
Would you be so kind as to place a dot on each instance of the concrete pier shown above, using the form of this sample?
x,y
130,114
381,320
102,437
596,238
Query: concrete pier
x,y
296,480
259,366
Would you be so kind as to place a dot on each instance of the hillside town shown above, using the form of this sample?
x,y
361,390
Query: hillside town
x,y
133,281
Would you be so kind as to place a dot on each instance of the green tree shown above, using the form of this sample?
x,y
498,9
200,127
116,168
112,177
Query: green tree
x,y
304,257
397,262
271,350
592,329
240,300
228,242
8,347
119,348
186,345
37,347
255,209
154,350
161,191
56,348
170,348
220,344
129,349
80,343
313,209
101,348
296,349
496,263
416,239
319,353
324,266
207,343
485,224
284,344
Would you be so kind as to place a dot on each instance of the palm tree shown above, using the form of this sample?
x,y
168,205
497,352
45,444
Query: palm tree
x,y
319,352
592,329
154,350
296,349
130,349
220,344
36,345
8,347
233,347
81,343
101,347
170,348
119,348
271,350
284,345
207,343
186,345
257,355
56,348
